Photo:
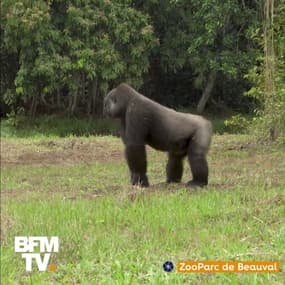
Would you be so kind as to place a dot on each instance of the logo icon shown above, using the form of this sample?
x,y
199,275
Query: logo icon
x,y
38,249
168,266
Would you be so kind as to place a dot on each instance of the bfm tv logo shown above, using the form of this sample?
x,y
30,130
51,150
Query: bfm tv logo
x,y
27,245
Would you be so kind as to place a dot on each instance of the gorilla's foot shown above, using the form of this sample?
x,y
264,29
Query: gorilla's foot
x,y
195,184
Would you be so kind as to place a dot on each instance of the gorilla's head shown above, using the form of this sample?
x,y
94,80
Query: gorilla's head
x,y
116,102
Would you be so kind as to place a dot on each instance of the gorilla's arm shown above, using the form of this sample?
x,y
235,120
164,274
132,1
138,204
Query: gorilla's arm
x,y
136,159
135,149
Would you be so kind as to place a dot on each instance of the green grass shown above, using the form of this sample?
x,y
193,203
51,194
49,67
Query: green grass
x,y
50,126
77,188
112,240
55,126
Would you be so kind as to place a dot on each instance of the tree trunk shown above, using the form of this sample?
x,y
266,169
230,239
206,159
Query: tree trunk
x,y
270,104
33,106
74,102
74,94
44,101
207,92
95,94
58,103
92,93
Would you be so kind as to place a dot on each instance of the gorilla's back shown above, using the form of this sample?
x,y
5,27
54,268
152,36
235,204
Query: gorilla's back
x,y
169,129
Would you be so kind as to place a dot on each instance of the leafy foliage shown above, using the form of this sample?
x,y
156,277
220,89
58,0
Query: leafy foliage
x,y
201,38
270,121
61,56
63,44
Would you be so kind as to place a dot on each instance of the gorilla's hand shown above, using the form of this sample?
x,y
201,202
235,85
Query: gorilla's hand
x,y
139,180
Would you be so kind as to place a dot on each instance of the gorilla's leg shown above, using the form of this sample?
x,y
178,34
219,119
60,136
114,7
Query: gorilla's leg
x,y
136,158
174,167
198,164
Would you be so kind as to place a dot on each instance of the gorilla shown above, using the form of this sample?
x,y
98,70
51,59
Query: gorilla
x,y
143,121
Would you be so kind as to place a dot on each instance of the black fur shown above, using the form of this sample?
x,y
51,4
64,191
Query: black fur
x,y
144,121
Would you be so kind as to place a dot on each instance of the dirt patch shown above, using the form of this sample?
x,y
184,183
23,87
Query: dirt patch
x,y
272,202
63,151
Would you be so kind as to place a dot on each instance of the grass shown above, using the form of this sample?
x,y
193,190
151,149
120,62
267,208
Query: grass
x,y
55,126
77,188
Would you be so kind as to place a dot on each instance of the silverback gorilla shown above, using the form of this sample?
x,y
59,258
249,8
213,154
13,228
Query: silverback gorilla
x,y
144,121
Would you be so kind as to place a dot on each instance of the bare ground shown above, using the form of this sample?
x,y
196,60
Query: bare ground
x,y
233,161
61,151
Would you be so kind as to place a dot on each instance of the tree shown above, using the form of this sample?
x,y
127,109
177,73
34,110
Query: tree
x,y
208,38
70,51
268,75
